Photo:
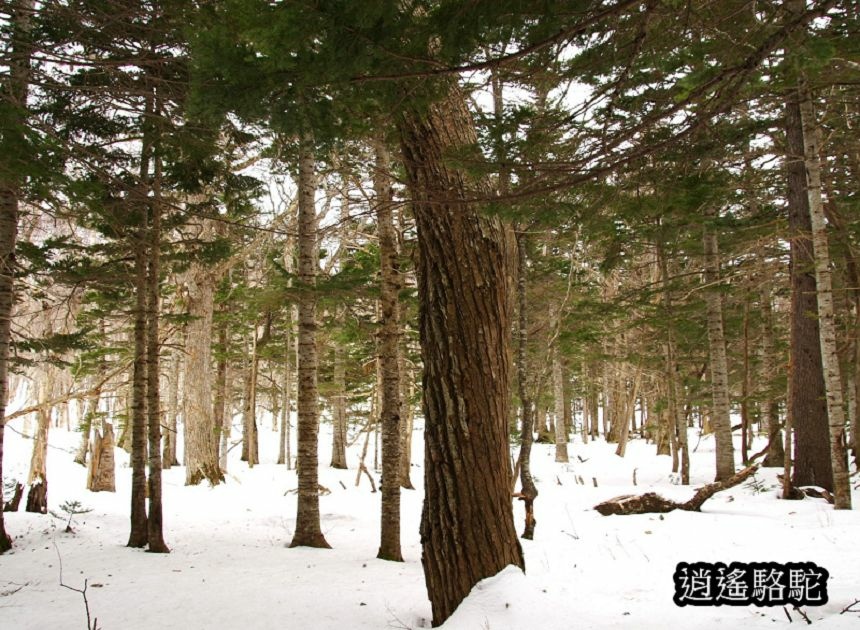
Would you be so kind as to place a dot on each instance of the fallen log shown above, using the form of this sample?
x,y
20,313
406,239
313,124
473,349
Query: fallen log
x,y
653,503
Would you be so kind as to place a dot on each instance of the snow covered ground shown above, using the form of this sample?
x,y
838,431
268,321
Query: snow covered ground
x,y
230,567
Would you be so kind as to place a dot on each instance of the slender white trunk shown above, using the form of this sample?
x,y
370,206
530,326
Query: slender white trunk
x,y
720,419
826,320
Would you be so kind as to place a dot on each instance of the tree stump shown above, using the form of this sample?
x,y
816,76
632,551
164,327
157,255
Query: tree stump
x,y
100,472
37,498
12,506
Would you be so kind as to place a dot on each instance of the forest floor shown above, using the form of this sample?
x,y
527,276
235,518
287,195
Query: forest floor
x,y
230,567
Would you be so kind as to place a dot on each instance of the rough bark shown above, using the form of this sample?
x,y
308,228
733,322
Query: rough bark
x,y
139,526
389,341
101,475
308,532
841,485
155,520
807,402
467,529
37,497
720,418
201,428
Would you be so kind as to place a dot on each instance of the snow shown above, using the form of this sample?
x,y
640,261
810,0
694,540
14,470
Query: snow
x,y
230,566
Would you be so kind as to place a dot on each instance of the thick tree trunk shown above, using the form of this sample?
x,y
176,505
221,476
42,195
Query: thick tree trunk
x,y
808,401
720,418
201,427
467,528
827,325
389,340
308,532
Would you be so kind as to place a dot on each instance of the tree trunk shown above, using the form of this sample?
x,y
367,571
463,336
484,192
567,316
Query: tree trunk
x,y
101,472
627,416
37,498
308,532
720,418
467,528
201,427
528,491
169,454
287,402
808,401
675,389
155,536
558,394
407,415
87,423
745,387
827,325
855,427
389,341
593,403
139,525
222,409
607,400
250,444
775,457
338,419
15,85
